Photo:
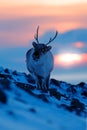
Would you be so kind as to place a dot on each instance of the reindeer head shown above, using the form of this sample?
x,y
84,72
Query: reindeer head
x,y
40,48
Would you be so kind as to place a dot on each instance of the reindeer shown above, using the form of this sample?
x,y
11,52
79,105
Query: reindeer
x,y
40,62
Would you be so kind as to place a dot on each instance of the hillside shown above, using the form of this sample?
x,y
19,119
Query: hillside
x,y
24,107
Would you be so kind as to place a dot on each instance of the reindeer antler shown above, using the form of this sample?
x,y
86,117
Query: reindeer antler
x,y
36,35
51,39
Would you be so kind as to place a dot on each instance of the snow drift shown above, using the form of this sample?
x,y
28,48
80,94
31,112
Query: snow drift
x,y
24,107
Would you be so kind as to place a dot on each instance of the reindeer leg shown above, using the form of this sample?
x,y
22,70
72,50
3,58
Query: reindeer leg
x,y
44,84
47,82
39,82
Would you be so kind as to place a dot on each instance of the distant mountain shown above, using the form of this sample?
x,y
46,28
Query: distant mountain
x,y
77,35
71,36
22,106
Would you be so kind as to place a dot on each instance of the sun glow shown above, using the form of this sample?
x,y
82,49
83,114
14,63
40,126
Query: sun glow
x,y
67,59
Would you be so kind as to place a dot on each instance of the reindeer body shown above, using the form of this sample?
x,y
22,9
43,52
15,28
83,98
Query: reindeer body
x,y
40,68
40,62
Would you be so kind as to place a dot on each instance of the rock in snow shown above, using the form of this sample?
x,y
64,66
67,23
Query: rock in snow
x,y
24,107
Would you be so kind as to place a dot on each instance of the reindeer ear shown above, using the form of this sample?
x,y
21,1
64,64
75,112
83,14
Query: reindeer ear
x,y
49,48
34,44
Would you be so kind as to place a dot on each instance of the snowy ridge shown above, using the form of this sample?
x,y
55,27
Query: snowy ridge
x,y
63,107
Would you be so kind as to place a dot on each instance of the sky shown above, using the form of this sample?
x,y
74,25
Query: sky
x,y
40,2
18,24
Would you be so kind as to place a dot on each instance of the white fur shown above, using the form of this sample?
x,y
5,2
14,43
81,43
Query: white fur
x,y
41,67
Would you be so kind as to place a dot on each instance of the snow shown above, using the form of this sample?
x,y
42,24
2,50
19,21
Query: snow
x,y
23,111
46,117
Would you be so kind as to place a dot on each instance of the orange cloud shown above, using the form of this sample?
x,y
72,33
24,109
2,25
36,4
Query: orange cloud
x,y
28,17
79,45
61,18
15,38
39,10
72,11
84,58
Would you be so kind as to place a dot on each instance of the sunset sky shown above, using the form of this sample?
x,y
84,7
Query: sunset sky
x,y
18,22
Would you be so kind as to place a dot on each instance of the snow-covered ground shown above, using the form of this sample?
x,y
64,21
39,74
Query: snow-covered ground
x,y
22,107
